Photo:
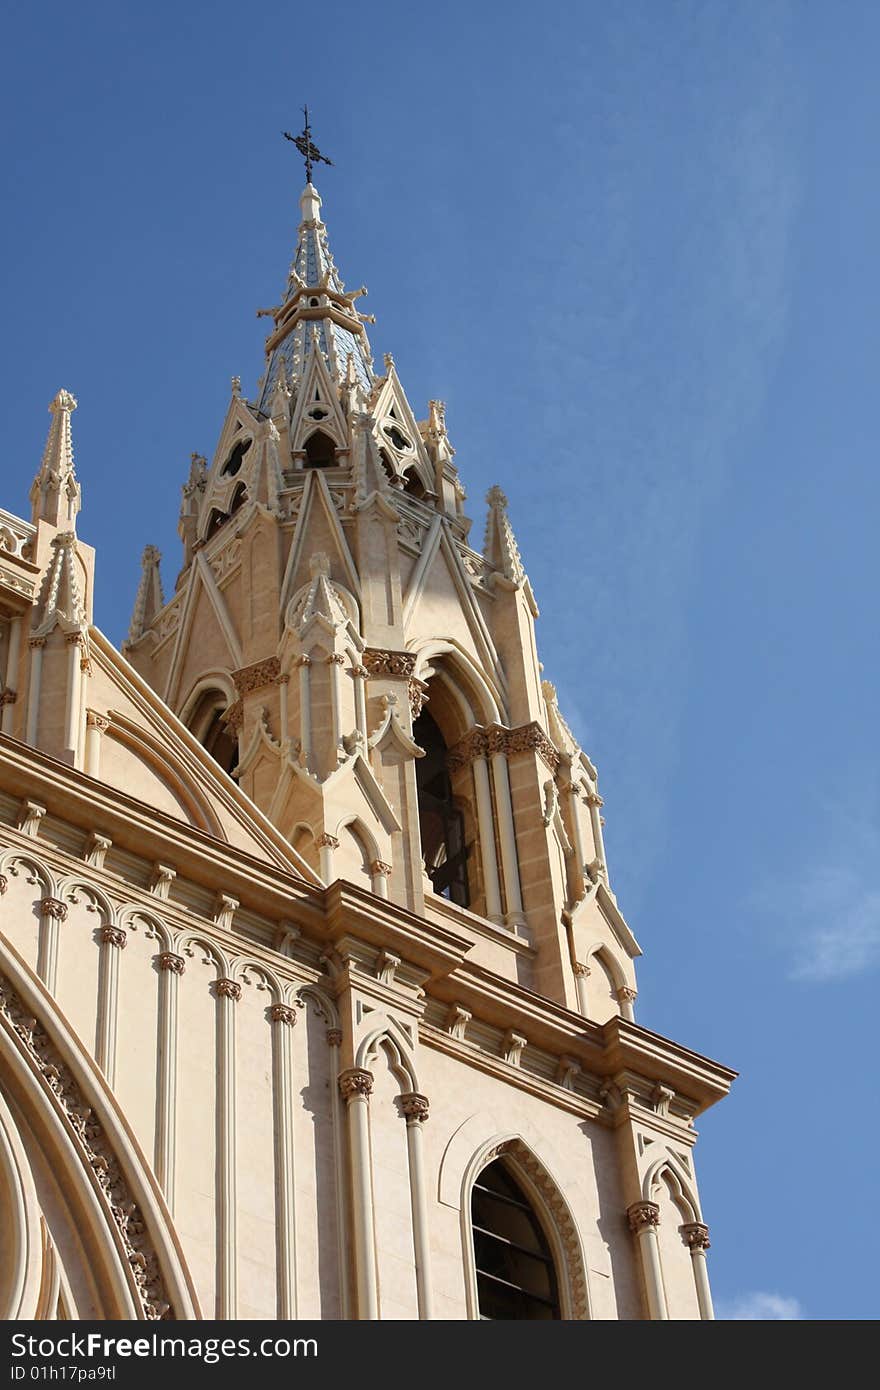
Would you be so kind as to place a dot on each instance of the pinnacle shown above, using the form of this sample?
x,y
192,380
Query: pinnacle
x,y
55,493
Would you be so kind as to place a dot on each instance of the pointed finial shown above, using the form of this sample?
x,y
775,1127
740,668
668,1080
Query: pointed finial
x,y
236,386
150,599
496,498
499,547
55,493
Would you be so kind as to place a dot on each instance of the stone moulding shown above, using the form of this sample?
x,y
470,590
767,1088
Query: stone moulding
x,y
386,663
483,743
89,1137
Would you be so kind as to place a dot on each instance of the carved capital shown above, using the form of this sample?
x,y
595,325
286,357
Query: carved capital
x,y
283,1013
257,675
594,799
326,841
54,907
169,961
227,989
414,1107
334,1037
642,1215
626,995
418,694
36,642
101,722
379,866
485,743
695,1235
380,662
114,936
355,1082
8,697
336,659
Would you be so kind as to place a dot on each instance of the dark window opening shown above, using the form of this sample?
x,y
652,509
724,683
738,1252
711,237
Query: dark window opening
x,y
233,463
516,1274
441,824
208,723
397,437
320,451
238,498
215,521
414,486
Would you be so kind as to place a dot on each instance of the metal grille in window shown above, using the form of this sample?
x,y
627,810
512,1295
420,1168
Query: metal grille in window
x,y
516,1275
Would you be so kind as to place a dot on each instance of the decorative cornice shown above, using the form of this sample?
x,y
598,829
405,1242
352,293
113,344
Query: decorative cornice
x,y
169,961
259,674
642,1215
283,1013
355,1082
695,1235
414,1106
227,989
485,742
88,1135
54,907
380,662
114,936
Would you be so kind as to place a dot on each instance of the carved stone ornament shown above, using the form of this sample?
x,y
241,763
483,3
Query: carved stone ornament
x,y
101,722
256,676
379,866
418,695
627,995
8,697
283,1013
387,663
641,1215
4,884
326,841
89,1139
334,1037
169,961
355,1082
414,1106
54,907
695,1235
227,989
483,743
234,717
114,936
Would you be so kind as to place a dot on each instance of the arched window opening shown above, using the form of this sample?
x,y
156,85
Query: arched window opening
x,y
414,486
208,725
516,1272
320,451
388,467
233,463
215,521
238,498
441,824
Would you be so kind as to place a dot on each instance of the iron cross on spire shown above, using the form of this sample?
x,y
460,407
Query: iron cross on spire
x,y
310,153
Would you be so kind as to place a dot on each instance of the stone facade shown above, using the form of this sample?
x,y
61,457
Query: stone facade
x,y
272,995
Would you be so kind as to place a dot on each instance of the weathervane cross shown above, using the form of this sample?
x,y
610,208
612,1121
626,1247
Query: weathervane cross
x,y
310,153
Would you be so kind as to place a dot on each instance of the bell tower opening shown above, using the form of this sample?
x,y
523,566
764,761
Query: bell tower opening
x,y
320,451
441,823
213,733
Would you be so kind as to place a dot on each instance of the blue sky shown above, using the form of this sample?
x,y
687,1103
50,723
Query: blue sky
x,y
634,247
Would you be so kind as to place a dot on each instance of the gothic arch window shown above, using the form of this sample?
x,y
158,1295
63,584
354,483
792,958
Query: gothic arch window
x,y
208,724
441,823
234,462
514,1264
414,487
320,451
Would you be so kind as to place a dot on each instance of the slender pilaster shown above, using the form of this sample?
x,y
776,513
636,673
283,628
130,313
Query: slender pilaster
x,y
355,1086
171,967
283,1019
227,992
72,708
644,1218
52,911
283,682
326,846
696,1237
581,975
595,803
305,710
96,727
626,997
36,645
360,675
486,826
113,940
415,1111
514,915
11,677
334,662
334,1042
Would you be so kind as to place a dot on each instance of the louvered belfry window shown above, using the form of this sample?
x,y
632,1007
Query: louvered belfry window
x,y
516,1274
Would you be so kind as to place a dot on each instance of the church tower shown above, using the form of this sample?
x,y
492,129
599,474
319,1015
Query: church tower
x,y
394,842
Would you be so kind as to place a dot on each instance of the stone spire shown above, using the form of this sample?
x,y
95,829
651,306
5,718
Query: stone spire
x,y
315,314
61,602
149,600
55,493
500,548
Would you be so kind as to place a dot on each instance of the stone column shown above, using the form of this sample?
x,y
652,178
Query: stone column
x,y
644,1218
334,1042
514,916
283,681
414,1108
305,710
36,645
326,845
96,727
52,911
11,677
283,1019
334,661
171,967
379,875
227,993
486,826
581,974
360,675
696,1237
355,1086
113,940
595,802
71,714
626,997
